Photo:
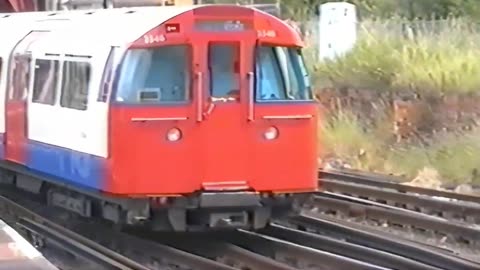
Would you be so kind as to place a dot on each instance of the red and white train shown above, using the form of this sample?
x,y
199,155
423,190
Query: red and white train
x,y
179,118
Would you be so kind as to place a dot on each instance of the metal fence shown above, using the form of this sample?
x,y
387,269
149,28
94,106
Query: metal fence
x,y
444,30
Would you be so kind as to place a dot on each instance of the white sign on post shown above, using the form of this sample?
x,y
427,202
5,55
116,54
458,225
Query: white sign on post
x,y
337,29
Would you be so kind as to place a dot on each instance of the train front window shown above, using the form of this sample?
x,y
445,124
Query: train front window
x,y
281,75
223,64
155,75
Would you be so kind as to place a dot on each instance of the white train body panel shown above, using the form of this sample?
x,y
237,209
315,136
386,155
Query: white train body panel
x,y
80,130
75,33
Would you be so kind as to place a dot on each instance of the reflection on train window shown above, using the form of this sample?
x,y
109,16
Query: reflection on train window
x,y
281,75
75,82
45,81
20,77
224,73
155,75
107,76
1,62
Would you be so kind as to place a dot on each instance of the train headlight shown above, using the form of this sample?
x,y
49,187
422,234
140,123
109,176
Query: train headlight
x,y
174,135
271,133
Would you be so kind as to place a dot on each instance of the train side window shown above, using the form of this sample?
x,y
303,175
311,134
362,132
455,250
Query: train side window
x,y
223,64
155,75
75,83
45,81
20,77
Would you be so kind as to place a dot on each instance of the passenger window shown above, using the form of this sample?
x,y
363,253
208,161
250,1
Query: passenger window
x,y
45,81
75,83
155,75
224,71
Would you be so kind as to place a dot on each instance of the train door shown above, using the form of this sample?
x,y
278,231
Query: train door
x,y
16,105
226,64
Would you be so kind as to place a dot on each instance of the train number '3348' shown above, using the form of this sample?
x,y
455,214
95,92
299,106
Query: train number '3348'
x,y
149,39
266,33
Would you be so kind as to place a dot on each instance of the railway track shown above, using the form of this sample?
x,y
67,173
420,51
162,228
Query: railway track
x,y
393,182
41,228
75,244
251,250
407,252
276,247
392,217
458,208
439,217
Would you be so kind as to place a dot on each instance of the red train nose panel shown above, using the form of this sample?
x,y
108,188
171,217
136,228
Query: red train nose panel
x,y
289,162
225,149
143,161
224,152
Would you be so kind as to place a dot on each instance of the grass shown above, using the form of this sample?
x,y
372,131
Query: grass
x,y
455,157
436,60
344,136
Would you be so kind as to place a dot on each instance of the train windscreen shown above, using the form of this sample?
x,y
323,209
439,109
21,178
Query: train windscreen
x,y
155,75
281,75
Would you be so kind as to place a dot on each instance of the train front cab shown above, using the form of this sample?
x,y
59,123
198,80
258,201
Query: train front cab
x,y
213,109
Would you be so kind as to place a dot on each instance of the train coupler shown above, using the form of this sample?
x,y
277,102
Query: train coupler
x,y
231,219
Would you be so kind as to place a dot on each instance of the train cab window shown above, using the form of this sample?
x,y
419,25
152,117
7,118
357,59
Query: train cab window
x,y
45,81
155,75
223,64
107,77
281,75
75,83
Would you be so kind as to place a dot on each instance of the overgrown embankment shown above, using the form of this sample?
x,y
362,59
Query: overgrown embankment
x,y
402,101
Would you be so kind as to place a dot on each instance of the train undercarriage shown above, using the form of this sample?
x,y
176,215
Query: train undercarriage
x,y
202,211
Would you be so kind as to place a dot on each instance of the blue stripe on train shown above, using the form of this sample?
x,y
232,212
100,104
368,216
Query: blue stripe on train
x,y
69,166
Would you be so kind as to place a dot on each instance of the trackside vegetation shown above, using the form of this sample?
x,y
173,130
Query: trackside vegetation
x,y
431,62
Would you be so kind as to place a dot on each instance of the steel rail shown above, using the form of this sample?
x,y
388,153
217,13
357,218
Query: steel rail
x,y
150,249
154,250
301,255
375,188
241,257
379,232
390,182
394,245
91,251
63,237
454,210
362,253
459,231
